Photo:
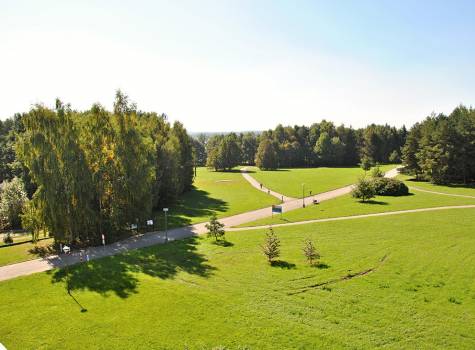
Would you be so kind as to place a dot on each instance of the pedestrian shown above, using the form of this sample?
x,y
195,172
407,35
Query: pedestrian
x,y
87,257
80,255
261,186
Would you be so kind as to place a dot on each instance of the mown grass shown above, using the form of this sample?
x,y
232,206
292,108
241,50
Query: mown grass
x,y
24,251
223,193
317,180
347,206
467,190
197,295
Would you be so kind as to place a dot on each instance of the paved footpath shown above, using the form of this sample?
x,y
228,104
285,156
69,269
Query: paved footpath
x,y
152,238
256,184
340,218
441,193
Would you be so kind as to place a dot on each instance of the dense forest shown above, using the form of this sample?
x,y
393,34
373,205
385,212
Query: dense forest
x,y
92,172
322,144
441,149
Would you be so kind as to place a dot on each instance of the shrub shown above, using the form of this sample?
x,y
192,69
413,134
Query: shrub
x,y
271,247
364,190
7,239
377,172
389,187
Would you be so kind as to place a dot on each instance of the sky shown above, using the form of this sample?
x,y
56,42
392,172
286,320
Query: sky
x,y
242,65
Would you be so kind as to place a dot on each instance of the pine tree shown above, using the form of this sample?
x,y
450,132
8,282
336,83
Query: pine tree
x,y
310,252
215,228
271,246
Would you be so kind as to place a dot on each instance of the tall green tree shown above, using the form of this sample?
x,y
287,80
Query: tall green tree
x,y
266,157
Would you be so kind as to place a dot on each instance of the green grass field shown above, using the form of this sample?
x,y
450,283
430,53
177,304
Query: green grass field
x,y
347,206
194,294
289,181
225,193
22,252
468,190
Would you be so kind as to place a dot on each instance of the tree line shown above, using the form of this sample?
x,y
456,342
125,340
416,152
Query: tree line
x,y
321,144
95,172
441,148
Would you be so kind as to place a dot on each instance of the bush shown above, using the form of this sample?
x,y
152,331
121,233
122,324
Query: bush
x,y
377,172
384,186
7,239
364,190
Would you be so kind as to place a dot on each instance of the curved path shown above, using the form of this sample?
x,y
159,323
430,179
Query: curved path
x,y
340,218
152,238
257,185
441,193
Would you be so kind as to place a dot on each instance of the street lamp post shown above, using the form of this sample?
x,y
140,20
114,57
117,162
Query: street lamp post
x,y
303,195
165,210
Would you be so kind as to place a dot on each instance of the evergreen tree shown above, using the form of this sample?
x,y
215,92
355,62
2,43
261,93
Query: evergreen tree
x,y
215,228
310,252
271,246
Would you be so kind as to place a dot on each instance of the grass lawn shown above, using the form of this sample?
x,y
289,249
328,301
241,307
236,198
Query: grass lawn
x,y
468,190
289,181
22,252
225,193
347,206
197,295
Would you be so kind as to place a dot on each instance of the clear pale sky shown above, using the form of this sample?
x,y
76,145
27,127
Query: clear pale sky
x,y
242,65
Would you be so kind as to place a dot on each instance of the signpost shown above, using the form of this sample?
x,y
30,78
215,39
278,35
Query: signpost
x,y
165,210
277,209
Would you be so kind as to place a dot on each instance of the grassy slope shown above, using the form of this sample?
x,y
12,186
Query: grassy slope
x,y
346,206
289,181
22,252
225,193
196,294
468,190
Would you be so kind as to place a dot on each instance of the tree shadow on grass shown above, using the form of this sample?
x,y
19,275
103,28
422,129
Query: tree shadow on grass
x,y
282,264
42,251
195,203
453,185
118,274
321,266
223,243
373,202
